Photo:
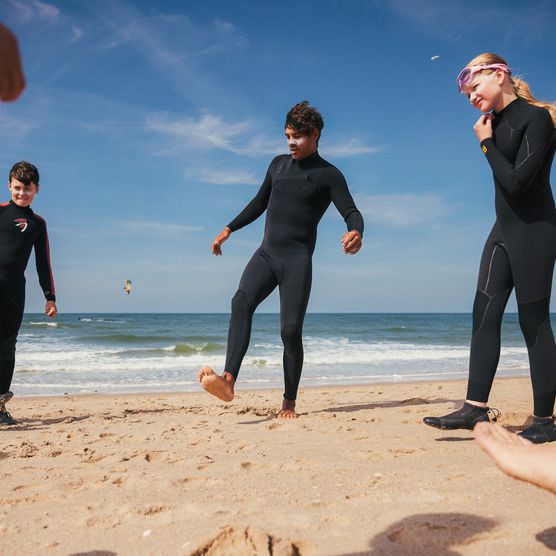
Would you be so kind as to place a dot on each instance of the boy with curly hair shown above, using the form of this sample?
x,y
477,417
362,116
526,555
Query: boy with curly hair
x,y
297,190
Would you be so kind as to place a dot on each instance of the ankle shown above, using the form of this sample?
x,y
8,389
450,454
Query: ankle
x,y
481,405
546,419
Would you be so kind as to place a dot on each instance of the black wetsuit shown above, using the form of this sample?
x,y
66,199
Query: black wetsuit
x,y
519,253
20,230
295,195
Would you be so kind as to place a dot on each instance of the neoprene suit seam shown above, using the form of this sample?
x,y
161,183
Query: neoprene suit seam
x,y
490,298
539,331
490,268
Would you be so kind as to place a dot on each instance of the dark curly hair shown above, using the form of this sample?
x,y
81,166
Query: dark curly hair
x,y
304,118
25,172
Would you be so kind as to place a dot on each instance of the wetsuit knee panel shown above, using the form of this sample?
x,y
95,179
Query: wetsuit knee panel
x,y
240,305
291,333
531,317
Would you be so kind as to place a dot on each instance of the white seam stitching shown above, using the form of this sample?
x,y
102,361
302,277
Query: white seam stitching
x,y
490,267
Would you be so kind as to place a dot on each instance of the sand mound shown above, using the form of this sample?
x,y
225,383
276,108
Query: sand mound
x,y
247,542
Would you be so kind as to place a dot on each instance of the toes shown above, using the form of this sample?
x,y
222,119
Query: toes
x,y
205,371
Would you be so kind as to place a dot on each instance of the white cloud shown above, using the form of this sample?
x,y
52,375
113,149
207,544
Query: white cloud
x,y
213,132
76,33
178,48
226,177
353,147
207,132
15,128
401,210
33,9
153,228
453,21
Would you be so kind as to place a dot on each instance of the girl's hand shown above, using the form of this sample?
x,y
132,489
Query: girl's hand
x,y
483,127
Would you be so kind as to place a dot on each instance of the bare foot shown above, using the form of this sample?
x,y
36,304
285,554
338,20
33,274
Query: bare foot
x,y
517,457
220,386
288,410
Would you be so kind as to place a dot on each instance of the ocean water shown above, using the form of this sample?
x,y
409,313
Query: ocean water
x,y
110,353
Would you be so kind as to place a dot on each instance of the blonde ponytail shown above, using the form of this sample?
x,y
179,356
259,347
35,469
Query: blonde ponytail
x,y
522,90
521,87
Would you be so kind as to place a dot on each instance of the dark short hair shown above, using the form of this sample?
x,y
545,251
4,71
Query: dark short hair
x,y
304,118
25,172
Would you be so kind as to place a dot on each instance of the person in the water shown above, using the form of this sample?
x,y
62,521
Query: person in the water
x,y
297,190
517,137
21,230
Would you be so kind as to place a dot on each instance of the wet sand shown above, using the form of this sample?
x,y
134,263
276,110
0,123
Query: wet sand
x,y
356,474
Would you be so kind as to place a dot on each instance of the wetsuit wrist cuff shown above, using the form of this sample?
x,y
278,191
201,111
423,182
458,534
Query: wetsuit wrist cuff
x,y
50,298
485,144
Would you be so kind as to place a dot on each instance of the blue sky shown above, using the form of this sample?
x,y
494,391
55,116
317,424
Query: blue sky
x,y
153,123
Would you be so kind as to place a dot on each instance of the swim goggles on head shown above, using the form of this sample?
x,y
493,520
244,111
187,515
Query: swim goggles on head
x,y
467,73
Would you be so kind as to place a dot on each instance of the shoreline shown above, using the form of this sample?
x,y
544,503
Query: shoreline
x,y
357,473
243,388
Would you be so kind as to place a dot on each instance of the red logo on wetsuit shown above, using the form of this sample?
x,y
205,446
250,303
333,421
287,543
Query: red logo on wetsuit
x,y
21,223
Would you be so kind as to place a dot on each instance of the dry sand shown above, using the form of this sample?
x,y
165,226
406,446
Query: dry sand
x,y
356,474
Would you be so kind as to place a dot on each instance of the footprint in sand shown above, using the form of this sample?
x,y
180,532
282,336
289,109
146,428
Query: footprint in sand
x,y
27,450
248,542
152,509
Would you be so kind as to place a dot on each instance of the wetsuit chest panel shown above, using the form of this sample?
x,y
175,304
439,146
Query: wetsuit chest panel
x,y
18,233
508,137
300,188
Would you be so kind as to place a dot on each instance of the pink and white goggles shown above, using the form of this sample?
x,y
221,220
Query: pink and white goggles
x,y
467,73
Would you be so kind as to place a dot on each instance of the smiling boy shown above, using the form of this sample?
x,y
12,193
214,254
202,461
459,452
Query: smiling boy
x,y
20,230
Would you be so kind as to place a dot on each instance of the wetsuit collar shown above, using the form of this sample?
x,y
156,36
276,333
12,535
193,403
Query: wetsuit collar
x,y
24,209
308,160
511,108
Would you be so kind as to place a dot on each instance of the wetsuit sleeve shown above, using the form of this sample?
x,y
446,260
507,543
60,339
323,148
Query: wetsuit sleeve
x,y
343,201
517,177
257,205
44,270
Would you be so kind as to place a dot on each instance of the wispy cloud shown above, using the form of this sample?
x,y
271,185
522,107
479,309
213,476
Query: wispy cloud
x,y
402,210
14,127
214,132
208,131
158,229
178,48
453,21
27,10
352,147
226,177
76,33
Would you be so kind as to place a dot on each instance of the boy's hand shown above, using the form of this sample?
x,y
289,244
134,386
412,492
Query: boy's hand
x,y
351,242
216,246
50,309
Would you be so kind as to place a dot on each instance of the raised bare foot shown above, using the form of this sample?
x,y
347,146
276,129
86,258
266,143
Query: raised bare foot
x,y
517,457
220,386
288,410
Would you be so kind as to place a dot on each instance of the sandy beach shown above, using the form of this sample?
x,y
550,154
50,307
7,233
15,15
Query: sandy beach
x,y
356,474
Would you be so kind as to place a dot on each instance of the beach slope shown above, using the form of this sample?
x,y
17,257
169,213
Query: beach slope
x,y
356,474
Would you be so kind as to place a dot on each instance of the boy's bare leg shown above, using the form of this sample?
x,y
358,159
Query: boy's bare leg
x,y
288,410
220,386
517,457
